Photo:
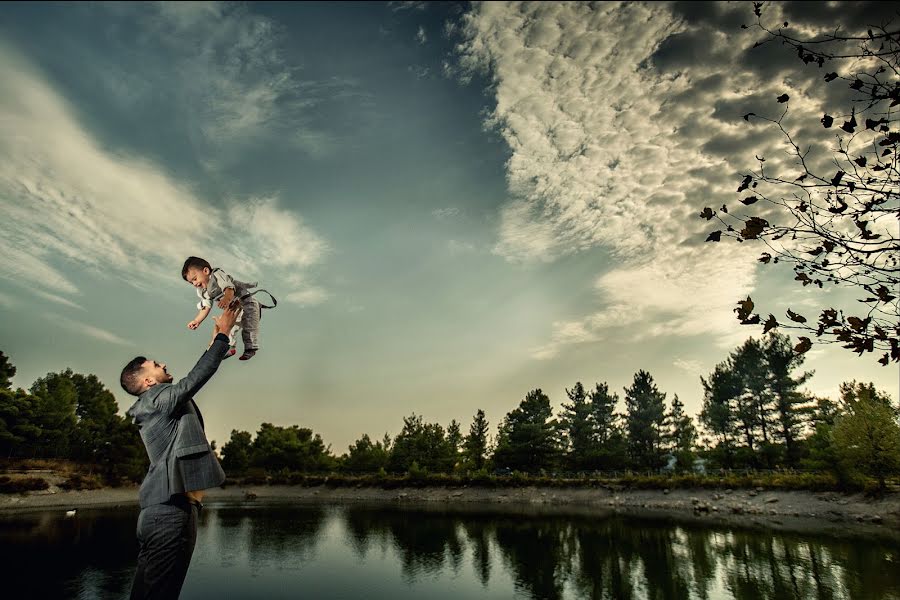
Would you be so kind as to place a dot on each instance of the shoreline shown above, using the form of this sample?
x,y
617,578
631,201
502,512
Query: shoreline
x,y
829,513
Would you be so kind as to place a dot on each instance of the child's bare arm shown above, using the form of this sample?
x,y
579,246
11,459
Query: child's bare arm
x,y
201,316
227,297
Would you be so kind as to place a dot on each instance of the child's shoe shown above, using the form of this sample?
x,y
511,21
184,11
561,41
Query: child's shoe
x,y
247,355
229,353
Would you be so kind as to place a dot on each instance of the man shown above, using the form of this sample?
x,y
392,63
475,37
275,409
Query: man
x,y
182,464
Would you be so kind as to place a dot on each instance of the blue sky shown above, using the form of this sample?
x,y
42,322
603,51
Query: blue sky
x,y
453,203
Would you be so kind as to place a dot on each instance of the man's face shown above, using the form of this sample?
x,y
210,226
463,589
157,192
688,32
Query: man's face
x,y
197,277
155,372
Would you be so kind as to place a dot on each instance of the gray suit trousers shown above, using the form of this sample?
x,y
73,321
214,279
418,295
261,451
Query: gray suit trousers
x,y
166,536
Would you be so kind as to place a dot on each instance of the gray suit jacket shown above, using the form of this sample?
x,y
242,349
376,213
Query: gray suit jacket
x,y
171,427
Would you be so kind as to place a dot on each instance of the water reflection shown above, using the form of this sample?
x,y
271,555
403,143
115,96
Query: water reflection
x,y
275,551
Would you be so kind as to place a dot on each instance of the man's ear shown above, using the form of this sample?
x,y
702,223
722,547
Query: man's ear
x,y
206,271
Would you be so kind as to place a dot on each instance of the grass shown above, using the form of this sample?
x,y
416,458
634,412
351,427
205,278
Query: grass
x,y
770,481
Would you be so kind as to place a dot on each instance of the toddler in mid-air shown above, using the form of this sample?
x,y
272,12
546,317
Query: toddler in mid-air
x,y
215,285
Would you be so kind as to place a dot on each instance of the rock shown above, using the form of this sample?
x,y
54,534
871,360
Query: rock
x,y
695,501
752,493
715,508
760,489
456,494
667,491
729,490
737,509
877,519
771,500
249,496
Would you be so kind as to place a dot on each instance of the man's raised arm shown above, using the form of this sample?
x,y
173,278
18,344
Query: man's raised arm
x,y
184,389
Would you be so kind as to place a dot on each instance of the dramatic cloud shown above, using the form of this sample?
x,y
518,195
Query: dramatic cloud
x,y
624,121
69,201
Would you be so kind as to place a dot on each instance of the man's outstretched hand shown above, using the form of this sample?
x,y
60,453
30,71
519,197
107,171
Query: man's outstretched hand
x,y
225,321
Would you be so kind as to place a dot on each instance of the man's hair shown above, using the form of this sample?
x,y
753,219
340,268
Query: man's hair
x,y
194,262
131,376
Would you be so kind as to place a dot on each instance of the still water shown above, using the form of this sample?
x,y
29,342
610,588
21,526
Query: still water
x,y
350,551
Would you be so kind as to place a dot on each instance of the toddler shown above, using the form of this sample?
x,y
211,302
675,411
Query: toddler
x,y
215,285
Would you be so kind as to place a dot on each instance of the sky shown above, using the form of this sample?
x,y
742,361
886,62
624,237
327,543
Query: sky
x,y
454,204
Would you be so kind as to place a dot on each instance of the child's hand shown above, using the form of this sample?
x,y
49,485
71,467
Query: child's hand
x,y
194,324
226,298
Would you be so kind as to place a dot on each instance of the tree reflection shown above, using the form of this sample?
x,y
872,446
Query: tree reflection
x,y
546,557
423,540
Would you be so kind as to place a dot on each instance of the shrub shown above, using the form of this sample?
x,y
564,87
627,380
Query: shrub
x,y
79,481
21,485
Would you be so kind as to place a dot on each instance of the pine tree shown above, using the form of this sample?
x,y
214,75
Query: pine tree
x,y
576,428
645,418
682,435
476,443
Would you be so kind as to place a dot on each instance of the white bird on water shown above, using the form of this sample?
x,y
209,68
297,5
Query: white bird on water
x,y
71,513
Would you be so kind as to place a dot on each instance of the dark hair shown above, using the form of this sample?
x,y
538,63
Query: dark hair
x,y
131,376
194,262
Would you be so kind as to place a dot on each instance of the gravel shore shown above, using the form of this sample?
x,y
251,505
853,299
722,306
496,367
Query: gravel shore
x,y
820,512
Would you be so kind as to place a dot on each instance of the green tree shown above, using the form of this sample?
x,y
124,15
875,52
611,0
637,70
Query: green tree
x,y
454,441
645,418
682,435
821,454
577,429
291,448
423,443
7,372
718,413
236,452
867,437
56,398
754,401
526,440
96,420
19,430
792,408
610,445
476,443
364,456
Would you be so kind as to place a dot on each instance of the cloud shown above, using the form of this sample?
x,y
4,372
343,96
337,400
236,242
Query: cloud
x,y
421,37
71,202
89,330
221,70
457,247
693,367
57,299
597,162
445,213
623,122
308,297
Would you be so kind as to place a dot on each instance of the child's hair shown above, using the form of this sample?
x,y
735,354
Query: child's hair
x,y
194,262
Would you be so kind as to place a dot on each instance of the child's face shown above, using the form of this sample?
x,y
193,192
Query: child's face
x,y
198,277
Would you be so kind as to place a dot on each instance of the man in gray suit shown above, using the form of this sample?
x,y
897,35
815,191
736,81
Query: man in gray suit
x,y
182,464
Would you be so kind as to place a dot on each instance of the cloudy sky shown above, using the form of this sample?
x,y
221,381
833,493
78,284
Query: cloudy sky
x,y
454,204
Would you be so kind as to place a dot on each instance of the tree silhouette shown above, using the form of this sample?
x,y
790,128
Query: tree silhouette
x,y
834,221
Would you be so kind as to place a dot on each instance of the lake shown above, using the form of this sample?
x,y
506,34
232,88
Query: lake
x,y
257,550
